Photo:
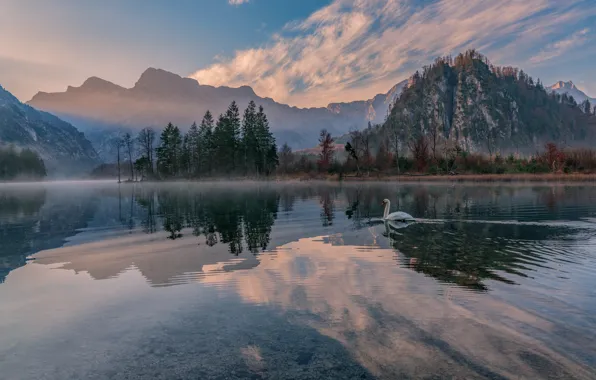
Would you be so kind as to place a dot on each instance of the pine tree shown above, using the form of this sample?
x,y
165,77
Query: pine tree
x,y
169,151
266,147
587,107
233,127
206,145
249,139
185,153
221,152
193,147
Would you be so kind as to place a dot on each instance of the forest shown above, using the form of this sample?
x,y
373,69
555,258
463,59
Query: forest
x,y
20,164
228,146
461,115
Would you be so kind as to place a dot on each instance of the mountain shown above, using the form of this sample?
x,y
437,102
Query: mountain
x,y
63,148
373,110
484,108
101,109
570,89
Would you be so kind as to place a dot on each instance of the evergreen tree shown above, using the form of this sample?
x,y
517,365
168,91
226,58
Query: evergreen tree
x,y
249,138
193,150
233,127
206,146
169,151
587,107
266,147
185,153
25,163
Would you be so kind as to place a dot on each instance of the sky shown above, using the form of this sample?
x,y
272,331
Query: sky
x,y
304,53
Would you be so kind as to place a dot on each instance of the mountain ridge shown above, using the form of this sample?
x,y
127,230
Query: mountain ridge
x,y
480,107
99,107
63,148
562,87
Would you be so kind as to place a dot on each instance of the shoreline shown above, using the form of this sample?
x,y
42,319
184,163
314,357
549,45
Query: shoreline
x,y
402,178
524,177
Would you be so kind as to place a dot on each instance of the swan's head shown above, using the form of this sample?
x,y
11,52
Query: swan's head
x,y
385,201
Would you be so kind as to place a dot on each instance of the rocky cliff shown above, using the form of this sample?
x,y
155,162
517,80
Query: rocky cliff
x,y
486,108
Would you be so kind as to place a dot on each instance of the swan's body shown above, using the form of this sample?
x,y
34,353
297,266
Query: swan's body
x,y
398,216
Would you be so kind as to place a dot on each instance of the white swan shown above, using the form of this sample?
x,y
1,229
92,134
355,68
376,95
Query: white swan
x,y
395,216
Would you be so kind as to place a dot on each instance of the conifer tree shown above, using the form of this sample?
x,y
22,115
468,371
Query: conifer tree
x,y
192,143
233,128
587,107
221,153
169,151
249,138
266,147
206,146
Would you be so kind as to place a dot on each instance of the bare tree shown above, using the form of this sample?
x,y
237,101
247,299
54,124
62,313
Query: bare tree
x,y
286,158
118,144
327,145
394,132
435,137
359,148
419,149
128,143
146,139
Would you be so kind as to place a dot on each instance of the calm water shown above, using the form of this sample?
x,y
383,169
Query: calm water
x,y
296,281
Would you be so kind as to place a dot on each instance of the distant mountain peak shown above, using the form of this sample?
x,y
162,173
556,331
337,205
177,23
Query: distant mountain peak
x,y
98,84
563,85
570,88
158,79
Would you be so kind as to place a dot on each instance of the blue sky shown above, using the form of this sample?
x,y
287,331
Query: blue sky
x,y
305,53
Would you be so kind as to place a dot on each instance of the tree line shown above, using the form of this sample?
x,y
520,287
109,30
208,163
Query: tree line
x,y
231,145
24,163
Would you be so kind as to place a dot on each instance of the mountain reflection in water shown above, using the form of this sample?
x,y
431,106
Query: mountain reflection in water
x,y
491,282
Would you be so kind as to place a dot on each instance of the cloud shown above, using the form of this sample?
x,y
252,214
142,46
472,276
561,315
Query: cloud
x,y
353,49
561,47
237,2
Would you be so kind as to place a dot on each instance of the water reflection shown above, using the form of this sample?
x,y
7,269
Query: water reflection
x,y
467,235
491,282
33,219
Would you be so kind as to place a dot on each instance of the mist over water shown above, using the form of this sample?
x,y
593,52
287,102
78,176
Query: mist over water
x,y
296,280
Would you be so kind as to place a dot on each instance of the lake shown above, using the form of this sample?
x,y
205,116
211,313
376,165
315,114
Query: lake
x,y
297,281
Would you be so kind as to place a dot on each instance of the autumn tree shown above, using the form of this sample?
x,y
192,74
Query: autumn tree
x,y
419,150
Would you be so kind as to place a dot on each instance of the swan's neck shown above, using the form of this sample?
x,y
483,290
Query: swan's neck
x,y
387,207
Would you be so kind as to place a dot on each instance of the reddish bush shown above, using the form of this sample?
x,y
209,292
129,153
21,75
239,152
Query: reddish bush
x,y
553,157
419,150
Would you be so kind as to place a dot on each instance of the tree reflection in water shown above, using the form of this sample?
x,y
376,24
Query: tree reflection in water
x,y
242,220
461,238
